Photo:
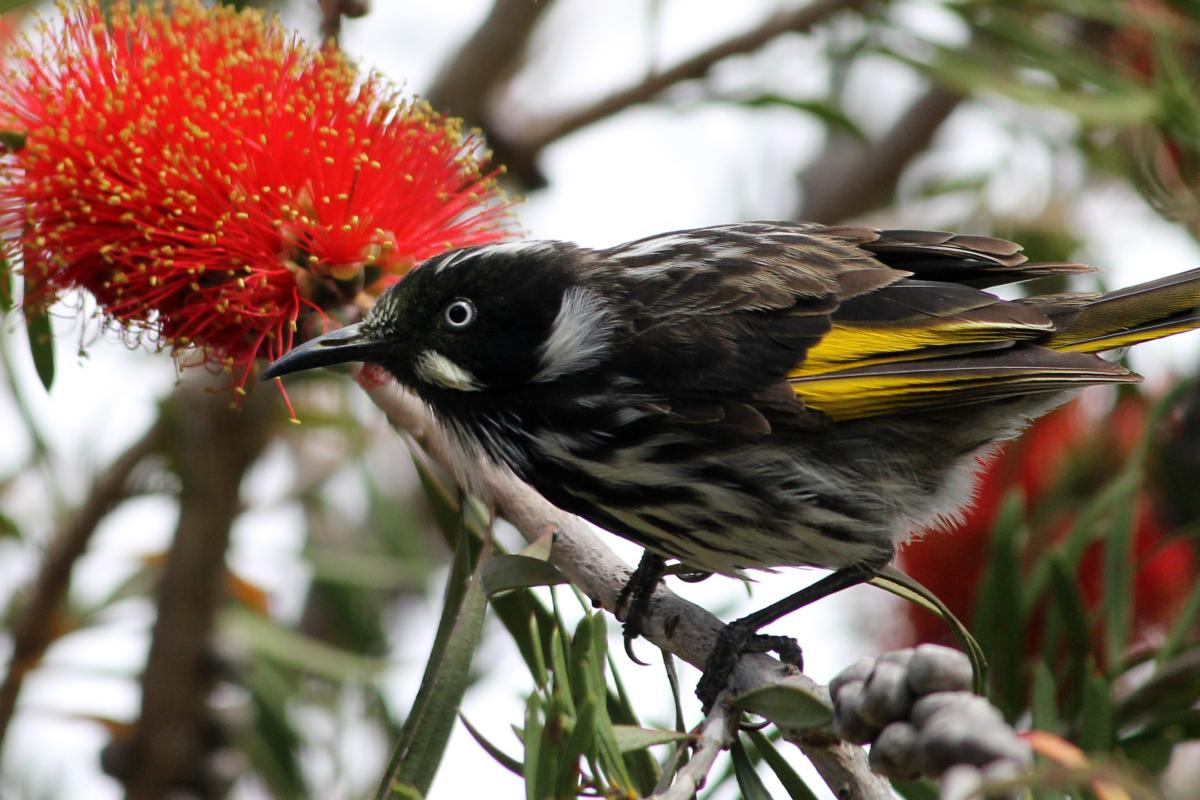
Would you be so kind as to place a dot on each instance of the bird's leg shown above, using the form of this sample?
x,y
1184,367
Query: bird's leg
x,y
634,600
741,635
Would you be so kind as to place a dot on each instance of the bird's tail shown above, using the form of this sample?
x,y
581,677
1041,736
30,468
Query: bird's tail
x,y
1151,310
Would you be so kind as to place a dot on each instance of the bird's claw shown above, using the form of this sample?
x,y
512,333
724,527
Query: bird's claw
x,y
629,648
734,640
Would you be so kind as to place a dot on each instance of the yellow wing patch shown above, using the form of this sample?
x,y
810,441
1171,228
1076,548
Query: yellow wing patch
x,y
849,346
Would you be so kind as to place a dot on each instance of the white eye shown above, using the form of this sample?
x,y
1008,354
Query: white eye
x,y
460,313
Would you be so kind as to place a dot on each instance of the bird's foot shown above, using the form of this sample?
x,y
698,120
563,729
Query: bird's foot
x,y
736,639
633,602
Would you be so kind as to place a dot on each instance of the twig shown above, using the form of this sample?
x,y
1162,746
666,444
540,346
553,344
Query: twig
x,y
332,12
792,21
211,446
35,628
465,84
846,182
674,624
716,733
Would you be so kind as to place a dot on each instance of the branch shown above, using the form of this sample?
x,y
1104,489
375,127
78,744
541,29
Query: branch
x,y
794,21
468,80
716,734
845,182
675,625
332,12
211,446
35,627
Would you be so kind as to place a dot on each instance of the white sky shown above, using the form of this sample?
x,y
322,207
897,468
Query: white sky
x,y
648,170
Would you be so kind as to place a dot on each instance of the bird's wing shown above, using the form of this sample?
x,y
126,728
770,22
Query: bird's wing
x,y
834,311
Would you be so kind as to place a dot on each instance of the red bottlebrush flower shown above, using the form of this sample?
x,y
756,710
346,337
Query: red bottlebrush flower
x,y
208,177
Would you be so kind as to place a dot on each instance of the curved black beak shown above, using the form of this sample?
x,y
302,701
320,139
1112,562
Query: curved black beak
x,y
338,347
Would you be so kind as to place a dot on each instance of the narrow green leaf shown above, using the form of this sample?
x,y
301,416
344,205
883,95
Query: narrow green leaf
x,y
921,789
787,705
525,618
1097,729
538,667
824,110
1068,633
8,528
363,570
1044,705
1183,626
578,743
535,786
12,141
6,285
272,743
443,500
999,613
631,737
561,673
427,727
41,344
503,573
295,650
1174,685
793,784
904,586
1117,605
500,757
643,767
749,783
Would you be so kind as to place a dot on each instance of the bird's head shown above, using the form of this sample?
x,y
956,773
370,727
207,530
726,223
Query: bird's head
x,y
478,321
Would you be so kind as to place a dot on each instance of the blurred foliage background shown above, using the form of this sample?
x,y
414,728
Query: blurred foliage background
x,y
222,601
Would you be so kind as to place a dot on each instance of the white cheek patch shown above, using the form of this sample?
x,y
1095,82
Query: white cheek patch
x,y
433,367
579,336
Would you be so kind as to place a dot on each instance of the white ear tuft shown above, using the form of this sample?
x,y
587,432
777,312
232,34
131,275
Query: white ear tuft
x,y
579,336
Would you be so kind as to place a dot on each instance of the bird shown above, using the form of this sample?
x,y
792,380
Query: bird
x,y
749,396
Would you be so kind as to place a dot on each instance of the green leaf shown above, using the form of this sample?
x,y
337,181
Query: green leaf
x,y
1174,685
920,789
904,586
787,705
295,650
999,614
1068,633
501,758
643,768
6,285
41,343
1119,558
1097,728
1044,705
579,742
8,528
427,727
748,782
272,743
504,573
632,737
443,500
540,762
824,110
1183,626
12,141
367,570
793,784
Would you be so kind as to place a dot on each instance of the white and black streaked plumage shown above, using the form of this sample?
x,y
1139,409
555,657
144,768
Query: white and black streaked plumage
x,y
748,396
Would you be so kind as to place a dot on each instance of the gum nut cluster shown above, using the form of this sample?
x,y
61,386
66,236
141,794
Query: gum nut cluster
x,y
916,710
210,179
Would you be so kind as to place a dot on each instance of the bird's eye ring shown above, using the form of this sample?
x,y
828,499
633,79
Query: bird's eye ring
x,y
460,313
